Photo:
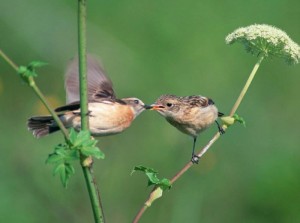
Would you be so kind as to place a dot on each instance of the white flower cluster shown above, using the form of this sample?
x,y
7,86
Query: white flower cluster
x,y
267,40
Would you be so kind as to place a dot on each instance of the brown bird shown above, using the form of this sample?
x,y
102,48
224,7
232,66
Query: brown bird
x,y
190,115
107,114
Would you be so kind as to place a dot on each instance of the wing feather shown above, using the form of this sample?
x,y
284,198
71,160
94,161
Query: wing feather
x,y
99,85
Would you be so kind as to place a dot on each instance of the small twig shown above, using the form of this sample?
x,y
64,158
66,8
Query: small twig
x,y
140,213
8,60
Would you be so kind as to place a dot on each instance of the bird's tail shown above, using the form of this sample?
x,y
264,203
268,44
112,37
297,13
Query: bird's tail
x,y
42,125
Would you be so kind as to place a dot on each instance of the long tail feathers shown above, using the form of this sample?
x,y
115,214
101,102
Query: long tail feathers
x,y
41,125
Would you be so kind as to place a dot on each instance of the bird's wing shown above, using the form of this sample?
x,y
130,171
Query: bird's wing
x,y
197,100
76,105
99,85
69,107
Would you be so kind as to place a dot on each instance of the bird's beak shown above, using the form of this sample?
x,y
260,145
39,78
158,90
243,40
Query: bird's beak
x,y
148,106
156,107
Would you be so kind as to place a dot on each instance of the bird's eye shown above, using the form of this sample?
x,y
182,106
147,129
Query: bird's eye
x,y
136,101
169,105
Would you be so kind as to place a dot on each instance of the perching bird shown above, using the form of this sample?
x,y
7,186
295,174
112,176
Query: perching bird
x,y
190,115
107,114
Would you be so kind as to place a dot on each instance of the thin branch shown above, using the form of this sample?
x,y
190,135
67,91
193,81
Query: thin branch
x,y
140,213
8,60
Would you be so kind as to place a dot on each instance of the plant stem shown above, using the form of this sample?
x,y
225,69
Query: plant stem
x,y
8,60
140,213
52,112
212,141
87,170
39,94
94,194
245,89
82,63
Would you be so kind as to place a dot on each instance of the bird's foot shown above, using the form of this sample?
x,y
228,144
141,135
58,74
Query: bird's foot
x,y
195,159
221,130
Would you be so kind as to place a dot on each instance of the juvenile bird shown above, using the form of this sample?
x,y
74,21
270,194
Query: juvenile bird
x,y
190,115
107,114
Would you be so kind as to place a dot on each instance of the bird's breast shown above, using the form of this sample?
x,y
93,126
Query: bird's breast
x,y
194,120
107,119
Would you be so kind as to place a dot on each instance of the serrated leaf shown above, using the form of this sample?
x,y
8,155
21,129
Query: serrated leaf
x,y
152,177
92,151
82,137
71,155
35,64
54,158
143,169
60,151
69,169
72,135
58,168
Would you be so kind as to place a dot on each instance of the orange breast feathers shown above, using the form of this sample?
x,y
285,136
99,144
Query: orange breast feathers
x,y
110,115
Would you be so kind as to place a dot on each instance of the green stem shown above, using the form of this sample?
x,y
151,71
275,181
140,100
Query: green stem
x,y
8,60
52,112
39,94
245,89
211,142
94,194
82,63
87,169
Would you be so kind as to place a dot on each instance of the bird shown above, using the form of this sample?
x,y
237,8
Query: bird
x,y
189,114
107,114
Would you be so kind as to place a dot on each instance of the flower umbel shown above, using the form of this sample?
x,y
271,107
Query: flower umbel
x,y
266,40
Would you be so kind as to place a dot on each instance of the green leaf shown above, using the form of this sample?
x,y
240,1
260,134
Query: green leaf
x,y
152,177
22,69
69,169
239,119
82,137
58,168
92,151
61,151
72,155
65,170
72,136
28,72
54,158
35,64
165,184
143,169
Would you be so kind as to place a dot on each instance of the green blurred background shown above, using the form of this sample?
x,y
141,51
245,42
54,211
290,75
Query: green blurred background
x,y
151,48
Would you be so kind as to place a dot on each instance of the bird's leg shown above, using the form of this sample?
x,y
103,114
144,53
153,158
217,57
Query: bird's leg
x,y
221,130
195,158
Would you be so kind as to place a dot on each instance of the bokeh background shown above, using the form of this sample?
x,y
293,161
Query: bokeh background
x,y
150,48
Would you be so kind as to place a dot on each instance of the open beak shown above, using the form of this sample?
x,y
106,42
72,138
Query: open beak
x,y
156,107
148,106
